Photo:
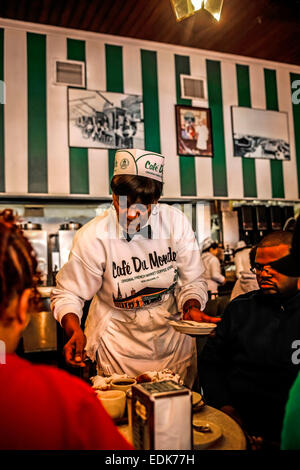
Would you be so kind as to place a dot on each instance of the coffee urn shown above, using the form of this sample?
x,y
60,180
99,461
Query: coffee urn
x,y
66,235
38,239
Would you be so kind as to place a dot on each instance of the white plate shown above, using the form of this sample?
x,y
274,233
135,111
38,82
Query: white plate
x,y
192,327
202,440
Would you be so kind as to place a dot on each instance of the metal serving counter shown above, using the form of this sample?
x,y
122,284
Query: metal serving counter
x,y
41,332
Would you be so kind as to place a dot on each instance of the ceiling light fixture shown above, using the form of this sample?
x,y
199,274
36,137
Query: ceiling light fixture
x,y
185,8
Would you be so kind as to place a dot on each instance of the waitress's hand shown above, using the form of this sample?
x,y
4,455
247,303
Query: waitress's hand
x,y
192,311
74,349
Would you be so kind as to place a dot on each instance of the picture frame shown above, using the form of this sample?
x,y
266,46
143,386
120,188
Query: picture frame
x,y
260,133
193,131
105,120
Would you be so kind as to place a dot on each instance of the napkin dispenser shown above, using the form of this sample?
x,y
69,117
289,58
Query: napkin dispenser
x,y
161,416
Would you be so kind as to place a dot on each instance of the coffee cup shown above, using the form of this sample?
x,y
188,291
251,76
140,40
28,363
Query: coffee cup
x,y
122,384
114,401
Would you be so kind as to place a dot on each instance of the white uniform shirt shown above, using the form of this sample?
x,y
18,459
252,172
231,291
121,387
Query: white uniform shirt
x,y
130,282
212,272
242,262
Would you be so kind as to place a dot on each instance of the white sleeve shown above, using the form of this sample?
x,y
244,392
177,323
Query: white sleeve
x,y
216,270
79,279
191,284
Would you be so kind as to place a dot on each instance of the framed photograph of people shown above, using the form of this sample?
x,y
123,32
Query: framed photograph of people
x,y
193,131
100,119
260,133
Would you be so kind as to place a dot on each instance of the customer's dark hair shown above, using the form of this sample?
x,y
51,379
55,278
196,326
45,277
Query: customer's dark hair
x,y
145,190
18,264
275,238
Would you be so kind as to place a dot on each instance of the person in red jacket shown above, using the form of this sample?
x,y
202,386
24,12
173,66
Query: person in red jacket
x,y
41,407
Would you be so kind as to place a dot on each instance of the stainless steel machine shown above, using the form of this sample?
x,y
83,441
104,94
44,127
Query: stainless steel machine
x,y
39,241
66,235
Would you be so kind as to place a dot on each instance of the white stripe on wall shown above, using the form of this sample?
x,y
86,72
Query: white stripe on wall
x,y
230,98
96,80
203,165
258,100
203,221
15,112
167,100
57,121
285,104
132,70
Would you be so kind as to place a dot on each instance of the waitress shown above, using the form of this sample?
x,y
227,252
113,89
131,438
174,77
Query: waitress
x,y
140,263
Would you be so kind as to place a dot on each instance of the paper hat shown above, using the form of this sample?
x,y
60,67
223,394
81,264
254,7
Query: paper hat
x,y
290,264
139,162
240,244
207,242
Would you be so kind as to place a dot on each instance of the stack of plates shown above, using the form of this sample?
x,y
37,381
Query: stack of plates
x,y
192,327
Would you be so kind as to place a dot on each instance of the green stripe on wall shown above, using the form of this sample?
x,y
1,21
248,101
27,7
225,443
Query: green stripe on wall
x,y
2,167
150,100
214,86
186,164
79,157
114,83
244,99
37,113
272,104
295,93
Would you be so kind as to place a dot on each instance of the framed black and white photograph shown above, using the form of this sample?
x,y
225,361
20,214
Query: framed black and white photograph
x,y
259,133
100,119
193,131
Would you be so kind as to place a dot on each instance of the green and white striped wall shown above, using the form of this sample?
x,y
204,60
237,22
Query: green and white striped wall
x,y
34,153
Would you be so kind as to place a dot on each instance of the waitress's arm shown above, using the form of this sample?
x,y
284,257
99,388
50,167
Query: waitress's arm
x,y
77,281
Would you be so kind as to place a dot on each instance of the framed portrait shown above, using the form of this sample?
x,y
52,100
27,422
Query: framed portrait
x,y
100,119
193,131
260,133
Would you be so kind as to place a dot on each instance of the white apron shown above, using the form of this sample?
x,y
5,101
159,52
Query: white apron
x,y
141,340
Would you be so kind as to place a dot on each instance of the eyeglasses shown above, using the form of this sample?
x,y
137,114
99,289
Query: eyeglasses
x,y
259,268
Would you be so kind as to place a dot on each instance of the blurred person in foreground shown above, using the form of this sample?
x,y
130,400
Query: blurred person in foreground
x,y
246,368
41,407
289,265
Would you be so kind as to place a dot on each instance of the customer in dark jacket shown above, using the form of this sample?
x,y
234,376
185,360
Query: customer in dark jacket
x,y
246,367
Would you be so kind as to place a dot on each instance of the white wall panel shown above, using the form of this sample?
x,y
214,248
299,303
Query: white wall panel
x,y
57,121
203,165
15,112
167,101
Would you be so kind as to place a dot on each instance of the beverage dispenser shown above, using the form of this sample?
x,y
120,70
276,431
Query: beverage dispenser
x,y
66,235
38,240
261,217
246,225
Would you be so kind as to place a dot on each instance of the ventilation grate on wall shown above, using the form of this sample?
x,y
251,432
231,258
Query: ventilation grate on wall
x,y
193,88
70,73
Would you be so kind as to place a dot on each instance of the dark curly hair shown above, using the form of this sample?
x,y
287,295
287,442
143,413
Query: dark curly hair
x,y
18,263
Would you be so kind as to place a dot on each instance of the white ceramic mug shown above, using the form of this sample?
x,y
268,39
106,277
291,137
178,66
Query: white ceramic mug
x,y
114,401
